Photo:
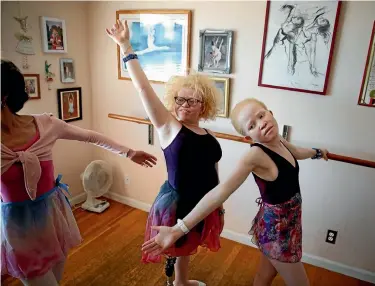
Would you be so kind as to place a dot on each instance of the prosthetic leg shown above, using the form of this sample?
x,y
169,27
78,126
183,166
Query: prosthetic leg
x,y
169,269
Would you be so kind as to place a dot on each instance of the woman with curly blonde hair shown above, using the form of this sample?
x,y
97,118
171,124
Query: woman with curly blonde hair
x,y
192,154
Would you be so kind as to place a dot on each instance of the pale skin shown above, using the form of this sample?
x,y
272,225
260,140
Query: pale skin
x,y
166,124
259,124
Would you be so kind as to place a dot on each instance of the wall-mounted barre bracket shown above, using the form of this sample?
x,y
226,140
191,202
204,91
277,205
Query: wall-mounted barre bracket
x,y
150,133
331,156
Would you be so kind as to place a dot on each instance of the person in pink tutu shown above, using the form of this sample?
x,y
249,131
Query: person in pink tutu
x,y
37,224
192,154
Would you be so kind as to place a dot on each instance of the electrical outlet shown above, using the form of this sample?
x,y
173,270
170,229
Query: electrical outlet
x,y
331,236
127,180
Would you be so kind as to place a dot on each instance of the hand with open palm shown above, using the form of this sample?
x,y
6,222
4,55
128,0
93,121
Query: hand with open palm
x,y
166,237
119,33
142,158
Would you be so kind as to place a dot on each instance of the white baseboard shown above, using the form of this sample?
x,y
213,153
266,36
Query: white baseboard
x,y
237,237
339,267
77,199
128,201
246,240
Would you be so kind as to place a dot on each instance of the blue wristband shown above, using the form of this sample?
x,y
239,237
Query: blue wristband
x,y
130,57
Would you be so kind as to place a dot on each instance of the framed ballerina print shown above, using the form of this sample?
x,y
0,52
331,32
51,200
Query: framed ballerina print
x,y
70,104
161,39
367,93
215,51
298,45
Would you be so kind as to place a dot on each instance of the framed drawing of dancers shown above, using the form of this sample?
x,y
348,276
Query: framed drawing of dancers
x,y
161,39
215,51
367,93
298,45
70,104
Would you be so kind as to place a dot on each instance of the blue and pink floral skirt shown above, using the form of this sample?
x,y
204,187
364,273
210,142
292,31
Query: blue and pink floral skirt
x,y
277,230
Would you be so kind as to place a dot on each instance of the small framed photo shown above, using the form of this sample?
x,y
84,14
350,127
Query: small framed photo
x,y
54,38
70,104
222,84
32,85
215,51
67,71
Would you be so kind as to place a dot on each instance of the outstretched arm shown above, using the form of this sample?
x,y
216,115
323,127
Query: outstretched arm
x,y
156,111
301,153
211,201
71,132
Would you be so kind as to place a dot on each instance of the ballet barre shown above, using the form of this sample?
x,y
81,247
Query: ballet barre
x,y
331,156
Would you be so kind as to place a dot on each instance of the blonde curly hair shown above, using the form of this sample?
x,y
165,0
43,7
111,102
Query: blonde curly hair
x,y
203,87
237,109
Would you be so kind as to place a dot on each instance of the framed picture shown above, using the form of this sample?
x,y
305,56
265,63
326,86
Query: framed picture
x,y
215,51
298,44
32,85
54,38
70,104
67,71
222,84
161,39
367,93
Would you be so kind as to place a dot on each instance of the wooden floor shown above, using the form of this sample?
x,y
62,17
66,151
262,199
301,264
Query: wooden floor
x,y
110,255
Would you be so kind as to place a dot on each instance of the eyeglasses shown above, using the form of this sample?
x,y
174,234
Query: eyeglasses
x,y
191,101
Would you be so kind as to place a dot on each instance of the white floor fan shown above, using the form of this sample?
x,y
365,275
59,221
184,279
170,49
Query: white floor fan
x,y
96,179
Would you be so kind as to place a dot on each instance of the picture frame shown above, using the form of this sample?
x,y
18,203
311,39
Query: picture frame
x,y
67,71
223,85
54,39
367,92
161,39
70,104
32,85
298,44
215,53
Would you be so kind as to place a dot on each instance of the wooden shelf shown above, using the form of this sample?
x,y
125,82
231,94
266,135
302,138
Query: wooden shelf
x,y
331,156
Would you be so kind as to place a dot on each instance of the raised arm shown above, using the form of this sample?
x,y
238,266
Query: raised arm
x,y
156,111
301,153
292,9
211,201
71,132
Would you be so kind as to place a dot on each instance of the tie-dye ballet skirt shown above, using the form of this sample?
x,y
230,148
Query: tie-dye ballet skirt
x,y
35,234
191,164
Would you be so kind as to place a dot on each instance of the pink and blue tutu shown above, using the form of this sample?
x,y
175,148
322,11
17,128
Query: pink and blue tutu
x,y
168,206
36,235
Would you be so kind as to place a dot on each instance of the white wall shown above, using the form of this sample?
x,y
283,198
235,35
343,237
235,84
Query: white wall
x,y
336,195
69,163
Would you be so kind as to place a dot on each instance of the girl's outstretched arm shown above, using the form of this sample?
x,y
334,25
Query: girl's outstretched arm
x,y
71,132
301,153
211,201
